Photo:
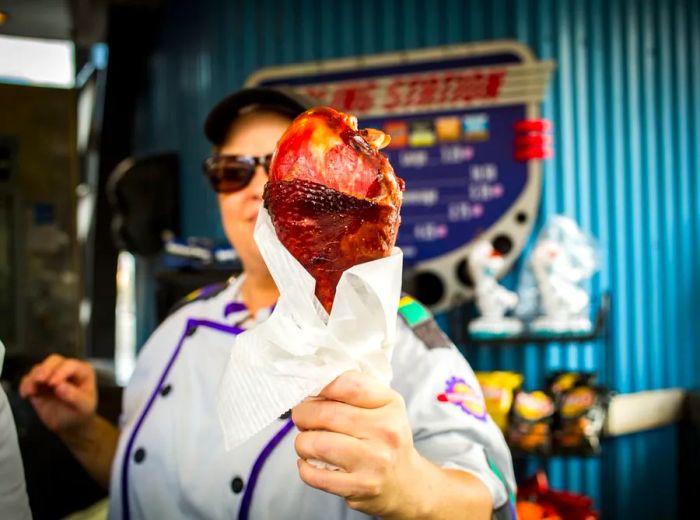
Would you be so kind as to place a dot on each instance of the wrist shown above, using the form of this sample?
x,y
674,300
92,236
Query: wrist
x,y
93,442
428,474
416,499
77,433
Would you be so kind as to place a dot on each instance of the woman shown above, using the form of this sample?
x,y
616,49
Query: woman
x,y
422,449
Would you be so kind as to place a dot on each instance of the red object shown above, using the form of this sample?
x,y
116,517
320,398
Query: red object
x,y
569,506
333,198
541,140
533,511
532,140
532,153
532,125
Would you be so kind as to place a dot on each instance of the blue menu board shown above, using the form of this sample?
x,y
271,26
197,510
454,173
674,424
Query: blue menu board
x,y
452,113
460,173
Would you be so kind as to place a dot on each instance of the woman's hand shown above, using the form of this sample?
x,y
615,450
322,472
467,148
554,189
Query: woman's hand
x,y
362,427
63,392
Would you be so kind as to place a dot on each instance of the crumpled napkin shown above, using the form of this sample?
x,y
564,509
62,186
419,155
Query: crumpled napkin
x,y
300,348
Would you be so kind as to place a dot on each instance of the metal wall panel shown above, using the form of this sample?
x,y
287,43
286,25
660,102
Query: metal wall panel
x,y
625,102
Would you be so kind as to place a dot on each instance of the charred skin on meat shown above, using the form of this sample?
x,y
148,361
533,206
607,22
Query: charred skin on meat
x,y
333,198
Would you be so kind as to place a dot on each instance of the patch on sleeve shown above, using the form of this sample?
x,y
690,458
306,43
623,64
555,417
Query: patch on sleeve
x,y
422,323
203,293
459,393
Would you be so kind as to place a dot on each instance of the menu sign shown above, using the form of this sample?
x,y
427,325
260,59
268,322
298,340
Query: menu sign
x,y
451,113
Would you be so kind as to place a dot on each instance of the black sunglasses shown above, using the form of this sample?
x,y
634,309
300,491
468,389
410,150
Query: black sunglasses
x,y
229,173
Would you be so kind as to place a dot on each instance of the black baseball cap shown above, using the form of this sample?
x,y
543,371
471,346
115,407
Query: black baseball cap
x,y
282,99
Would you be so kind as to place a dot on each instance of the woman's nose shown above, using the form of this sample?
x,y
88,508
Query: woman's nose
x,y
257,183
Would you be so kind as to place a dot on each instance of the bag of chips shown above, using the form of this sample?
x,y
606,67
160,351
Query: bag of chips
x,y
530,428
579,420
562,381
498,389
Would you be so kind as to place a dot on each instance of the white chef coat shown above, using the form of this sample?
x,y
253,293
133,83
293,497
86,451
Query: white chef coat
x,y
171,462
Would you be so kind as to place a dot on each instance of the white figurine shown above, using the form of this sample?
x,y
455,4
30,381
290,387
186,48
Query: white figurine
x,y
492,300
563,258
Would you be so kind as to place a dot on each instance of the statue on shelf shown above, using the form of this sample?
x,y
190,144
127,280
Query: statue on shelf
x,y
563,258
492,299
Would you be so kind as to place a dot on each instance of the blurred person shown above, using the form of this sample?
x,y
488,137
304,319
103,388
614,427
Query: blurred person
x,y
424,448
14,503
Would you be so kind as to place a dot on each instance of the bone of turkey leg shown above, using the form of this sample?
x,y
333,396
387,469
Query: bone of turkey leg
x,y
333,199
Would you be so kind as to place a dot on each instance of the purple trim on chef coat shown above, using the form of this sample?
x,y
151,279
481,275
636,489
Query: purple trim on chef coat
x,y
192,324
234,307
257,467
238,307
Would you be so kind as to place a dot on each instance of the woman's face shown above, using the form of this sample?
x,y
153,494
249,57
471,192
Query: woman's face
x,y
255,133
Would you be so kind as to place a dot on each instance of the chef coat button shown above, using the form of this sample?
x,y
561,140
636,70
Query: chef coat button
x,y
139,455
165,390
191,329
237,485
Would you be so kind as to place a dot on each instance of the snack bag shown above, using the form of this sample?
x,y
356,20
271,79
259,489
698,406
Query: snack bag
x,y
530,428
580,418
498,389
562,381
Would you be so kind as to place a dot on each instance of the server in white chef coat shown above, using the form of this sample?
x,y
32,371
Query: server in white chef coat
x,y
424,448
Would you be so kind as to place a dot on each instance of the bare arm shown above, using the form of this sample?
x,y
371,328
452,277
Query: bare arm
x,y
448,494
63,392
94,444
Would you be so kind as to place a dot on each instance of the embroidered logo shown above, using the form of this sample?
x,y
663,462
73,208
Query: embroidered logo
x,y
459,393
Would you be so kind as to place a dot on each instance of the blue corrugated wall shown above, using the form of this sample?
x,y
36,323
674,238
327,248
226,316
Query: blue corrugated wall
x,y
625,101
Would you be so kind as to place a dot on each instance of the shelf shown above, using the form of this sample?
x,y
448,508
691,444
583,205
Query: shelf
x,y
640,411
526,338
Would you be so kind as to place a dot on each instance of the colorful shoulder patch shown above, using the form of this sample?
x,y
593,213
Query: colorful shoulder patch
x,y
422,323
203,293
459,393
